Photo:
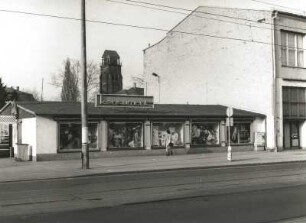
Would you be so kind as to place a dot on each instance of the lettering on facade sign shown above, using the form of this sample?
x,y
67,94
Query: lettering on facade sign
x,y
124,101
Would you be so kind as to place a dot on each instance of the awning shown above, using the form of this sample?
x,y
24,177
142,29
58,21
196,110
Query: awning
x,y
7,119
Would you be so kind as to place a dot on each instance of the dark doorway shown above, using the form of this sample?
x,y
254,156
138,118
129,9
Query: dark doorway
x,y
6,141
294,135
291,134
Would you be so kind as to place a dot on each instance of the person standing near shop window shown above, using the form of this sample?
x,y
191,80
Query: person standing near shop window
x,y
168,143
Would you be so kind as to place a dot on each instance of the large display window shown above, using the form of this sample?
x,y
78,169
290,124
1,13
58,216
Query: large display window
x,y
240,133
204,133
125,135
159,133
70,137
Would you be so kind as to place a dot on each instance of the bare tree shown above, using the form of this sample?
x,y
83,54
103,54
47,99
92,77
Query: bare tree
x,y
93,73
139,80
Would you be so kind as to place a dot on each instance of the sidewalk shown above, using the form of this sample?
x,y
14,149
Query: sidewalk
x,y
11,170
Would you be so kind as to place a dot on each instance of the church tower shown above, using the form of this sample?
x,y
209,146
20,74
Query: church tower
x,y
110,77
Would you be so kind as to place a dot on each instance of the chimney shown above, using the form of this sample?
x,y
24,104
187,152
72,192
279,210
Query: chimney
x,y
135,85
17,88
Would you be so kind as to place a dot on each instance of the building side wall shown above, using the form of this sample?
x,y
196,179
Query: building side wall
x,y
47,137
204,70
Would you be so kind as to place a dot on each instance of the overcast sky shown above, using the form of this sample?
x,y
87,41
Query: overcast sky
x,y
34,47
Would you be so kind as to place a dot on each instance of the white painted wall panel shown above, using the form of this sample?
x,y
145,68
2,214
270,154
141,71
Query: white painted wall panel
x,y
46,136
29,133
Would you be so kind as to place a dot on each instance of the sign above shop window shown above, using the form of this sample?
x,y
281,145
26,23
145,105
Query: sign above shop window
x,y
120,100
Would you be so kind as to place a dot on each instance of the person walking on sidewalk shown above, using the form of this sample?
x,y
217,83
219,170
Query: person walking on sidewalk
x,y
168,143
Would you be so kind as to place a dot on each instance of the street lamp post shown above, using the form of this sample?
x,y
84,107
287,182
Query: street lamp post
x,y
158,79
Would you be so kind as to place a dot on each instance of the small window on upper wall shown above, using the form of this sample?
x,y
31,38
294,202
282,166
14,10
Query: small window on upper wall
x,y
292,48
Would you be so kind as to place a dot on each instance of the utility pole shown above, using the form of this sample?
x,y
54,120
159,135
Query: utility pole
x,y
85,152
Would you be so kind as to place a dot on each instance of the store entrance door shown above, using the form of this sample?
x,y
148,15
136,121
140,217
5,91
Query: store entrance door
x,y
292,135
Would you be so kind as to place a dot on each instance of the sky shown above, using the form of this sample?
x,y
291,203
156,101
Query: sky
x,y
33,48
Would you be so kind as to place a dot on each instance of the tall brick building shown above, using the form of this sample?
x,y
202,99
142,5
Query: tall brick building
x,y
110,77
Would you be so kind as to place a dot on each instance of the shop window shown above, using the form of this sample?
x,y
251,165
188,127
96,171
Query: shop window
x,y
205,134
240,133
71,136
159,133
125,135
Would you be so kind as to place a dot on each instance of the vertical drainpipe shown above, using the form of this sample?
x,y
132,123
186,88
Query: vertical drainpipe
x,y
274,86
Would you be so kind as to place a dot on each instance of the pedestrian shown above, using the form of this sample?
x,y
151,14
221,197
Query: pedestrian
x,y
168,143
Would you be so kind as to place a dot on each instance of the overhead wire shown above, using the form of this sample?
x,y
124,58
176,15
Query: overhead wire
x,y
273,4
186,14
190,10
78,19
138,27
210,13
125,25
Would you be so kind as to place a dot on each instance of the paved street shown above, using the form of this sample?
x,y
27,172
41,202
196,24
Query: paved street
x,y
23,171
259,193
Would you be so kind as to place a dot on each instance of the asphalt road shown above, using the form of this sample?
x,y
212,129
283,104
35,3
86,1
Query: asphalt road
x,y
267,193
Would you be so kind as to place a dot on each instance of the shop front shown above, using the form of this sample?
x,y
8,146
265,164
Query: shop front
x,y
294,117
292,138
53,129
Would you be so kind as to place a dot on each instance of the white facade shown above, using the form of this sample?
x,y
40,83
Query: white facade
x,y
29,134
230,64
47,135
40,134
